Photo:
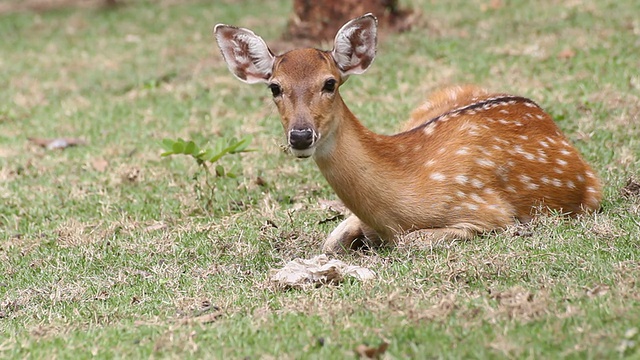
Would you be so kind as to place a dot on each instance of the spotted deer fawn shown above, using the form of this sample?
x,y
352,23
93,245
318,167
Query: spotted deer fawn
x,y
467,162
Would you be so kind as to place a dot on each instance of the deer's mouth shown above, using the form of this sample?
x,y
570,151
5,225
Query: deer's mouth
x,y
302,153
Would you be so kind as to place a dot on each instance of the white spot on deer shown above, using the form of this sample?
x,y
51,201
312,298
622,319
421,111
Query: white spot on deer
x,y
429,163
447,198
417,148
511,189
532,186
471,112
477,198
473,207
565,152
528,116
461,194
496,147
558,171
453,93
476,183
437,176
542,156
442,150
485,162
518,149
556,182
570,184
528,104
462,179
565,143
561,162
524,178
591,190
503,111
500,140
503,121
457,208
429,129
489,191
551,140
539,116
463,151
523,137
580,178
544,144
592,202
590,174
545,180
517,123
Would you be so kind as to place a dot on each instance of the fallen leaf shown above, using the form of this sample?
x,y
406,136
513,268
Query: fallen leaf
x,y
156,226
261,182
57,143
371,352
301,273
100,165
333,206
567,53
632,189
597,290
202,319
493,5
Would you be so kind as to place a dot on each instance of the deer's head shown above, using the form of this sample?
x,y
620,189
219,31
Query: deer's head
x,y
304,82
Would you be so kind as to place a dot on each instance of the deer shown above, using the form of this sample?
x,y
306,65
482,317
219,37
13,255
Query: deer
x,y
467,162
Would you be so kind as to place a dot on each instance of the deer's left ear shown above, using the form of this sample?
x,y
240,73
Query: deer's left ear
x,y
246,54
355,45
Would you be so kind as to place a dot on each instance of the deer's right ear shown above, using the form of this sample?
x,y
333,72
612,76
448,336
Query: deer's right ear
x,y
245,53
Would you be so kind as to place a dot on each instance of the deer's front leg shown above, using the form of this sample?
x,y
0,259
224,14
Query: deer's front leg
x,y
350,234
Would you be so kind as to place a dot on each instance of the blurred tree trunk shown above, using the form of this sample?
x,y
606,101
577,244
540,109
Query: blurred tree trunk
x,y
320,20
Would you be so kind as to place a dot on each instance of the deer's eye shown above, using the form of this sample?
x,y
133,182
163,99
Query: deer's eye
x,y
276,90
329,86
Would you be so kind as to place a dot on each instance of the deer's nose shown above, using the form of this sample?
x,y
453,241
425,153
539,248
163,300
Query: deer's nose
x,y
301,139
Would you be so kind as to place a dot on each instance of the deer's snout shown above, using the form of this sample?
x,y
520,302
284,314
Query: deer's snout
x,y
302,139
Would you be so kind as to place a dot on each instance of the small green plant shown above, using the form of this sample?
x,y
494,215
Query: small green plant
x,y
207,157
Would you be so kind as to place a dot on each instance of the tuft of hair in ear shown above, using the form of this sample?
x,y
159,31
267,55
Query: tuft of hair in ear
x,y
246,54
355,45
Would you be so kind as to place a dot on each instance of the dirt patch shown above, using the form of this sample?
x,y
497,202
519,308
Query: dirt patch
x,y
319,20
518,303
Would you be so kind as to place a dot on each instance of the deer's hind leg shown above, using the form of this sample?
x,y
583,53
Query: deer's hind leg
x,y
467,232
350,234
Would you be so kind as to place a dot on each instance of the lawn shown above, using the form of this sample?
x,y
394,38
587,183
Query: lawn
x,y
109,250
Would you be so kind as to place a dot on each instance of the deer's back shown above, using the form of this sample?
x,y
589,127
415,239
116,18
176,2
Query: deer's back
x,y
491,157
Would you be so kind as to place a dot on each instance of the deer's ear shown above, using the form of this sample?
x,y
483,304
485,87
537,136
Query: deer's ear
x,y
355,45
245,53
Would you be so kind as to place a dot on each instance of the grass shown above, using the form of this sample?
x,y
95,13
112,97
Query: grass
x,y
107,250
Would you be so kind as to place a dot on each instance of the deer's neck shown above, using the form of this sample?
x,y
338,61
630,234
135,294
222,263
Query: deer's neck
x,y
361,168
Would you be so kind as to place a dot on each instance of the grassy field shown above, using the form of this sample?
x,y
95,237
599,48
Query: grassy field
x,y
109,250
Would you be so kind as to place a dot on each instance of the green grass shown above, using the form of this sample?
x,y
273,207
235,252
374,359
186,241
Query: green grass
x,y
111,263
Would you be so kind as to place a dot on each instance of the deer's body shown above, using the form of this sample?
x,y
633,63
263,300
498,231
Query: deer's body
x,y
466,162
